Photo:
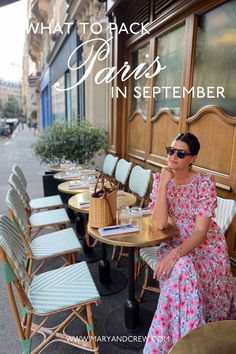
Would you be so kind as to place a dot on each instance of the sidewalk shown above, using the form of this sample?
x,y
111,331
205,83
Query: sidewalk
x,y
17,151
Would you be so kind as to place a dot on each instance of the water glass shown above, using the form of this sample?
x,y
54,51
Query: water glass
x,y
124,215
92,183
136,217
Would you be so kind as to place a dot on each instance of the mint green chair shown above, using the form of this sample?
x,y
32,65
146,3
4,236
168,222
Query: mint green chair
x,y
53,219
122,172
225,211
62,244
70,289
109,165
51,202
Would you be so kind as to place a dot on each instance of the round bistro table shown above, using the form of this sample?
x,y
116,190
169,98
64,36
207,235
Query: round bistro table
x,y
72,176
64,167
132,320
110,281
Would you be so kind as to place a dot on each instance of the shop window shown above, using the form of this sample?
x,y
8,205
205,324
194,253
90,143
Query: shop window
x,y
170,49
68,95
140,56
215,58
58,101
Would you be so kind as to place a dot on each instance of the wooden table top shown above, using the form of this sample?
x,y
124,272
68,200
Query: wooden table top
x,y
73,176
63,187
125,198
148,235
64,167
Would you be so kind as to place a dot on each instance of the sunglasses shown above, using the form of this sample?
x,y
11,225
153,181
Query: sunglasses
x,y
180,153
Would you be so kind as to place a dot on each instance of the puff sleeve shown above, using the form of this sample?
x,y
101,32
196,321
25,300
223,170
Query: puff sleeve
x,y
207,197
153,195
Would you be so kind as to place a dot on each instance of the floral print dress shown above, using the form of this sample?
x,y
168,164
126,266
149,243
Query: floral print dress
x,y
200,288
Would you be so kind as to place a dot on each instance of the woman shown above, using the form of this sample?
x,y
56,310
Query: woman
x,y
192,268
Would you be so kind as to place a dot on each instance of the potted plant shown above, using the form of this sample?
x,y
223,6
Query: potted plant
x,y
71,141
78,143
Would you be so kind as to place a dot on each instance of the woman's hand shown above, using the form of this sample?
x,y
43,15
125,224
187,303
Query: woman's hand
x,y
165,266
166,175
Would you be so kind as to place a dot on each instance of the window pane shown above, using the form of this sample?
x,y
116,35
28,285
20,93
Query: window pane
x,y
138,57
170,50
215,62
58,101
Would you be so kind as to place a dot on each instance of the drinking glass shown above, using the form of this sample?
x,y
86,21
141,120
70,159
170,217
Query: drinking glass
x,y
136,217
92,183
124,215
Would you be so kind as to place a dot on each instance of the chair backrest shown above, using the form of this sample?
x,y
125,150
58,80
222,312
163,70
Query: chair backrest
x,y
123,168
109,164
139,181
225,211
18,211
18,171
16,184
12,245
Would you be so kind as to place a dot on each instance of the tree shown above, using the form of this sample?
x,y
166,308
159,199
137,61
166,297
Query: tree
x,y
11,108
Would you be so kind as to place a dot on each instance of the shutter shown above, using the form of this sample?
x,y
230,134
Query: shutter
x,y
160,6
139,11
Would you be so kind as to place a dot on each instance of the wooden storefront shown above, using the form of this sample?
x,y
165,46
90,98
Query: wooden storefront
x,y
196,41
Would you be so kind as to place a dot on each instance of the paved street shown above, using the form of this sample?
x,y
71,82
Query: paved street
x,y
17,151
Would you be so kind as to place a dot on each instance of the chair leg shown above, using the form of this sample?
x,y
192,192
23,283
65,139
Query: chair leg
x,y
145,282
120,255
113,252
90,327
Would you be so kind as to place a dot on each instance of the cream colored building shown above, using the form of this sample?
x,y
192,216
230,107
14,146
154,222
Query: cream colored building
x,y
50,42
8,89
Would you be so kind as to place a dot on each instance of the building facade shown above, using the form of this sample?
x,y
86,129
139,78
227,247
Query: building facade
x,y
10,89
54,33
185,82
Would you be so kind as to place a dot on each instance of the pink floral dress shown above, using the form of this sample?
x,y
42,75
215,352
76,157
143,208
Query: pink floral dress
x,y
201,286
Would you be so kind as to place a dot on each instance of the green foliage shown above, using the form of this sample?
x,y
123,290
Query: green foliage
x,y
11,108
34,114
70,141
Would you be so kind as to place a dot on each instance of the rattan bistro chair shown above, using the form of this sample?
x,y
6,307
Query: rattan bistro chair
x,y
122,172
62,243
51,202
225,211
53,219
138,184
109,165
46,295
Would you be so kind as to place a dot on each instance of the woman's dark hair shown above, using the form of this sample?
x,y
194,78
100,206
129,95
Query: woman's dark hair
x,y
191,140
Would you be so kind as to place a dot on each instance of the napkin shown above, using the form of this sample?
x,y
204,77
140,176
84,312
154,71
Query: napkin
x,y
67,165
84,204
71,175
120,192
78,185
87,171
146,211
117,229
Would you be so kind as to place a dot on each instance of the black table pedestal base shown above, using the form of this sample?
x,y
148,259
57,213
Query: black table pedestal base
x,y
117,282
124,337
89,255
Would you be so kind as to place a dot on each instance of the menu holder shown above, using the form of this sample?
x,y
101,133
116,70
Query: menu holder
x,y
78,186
117,229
